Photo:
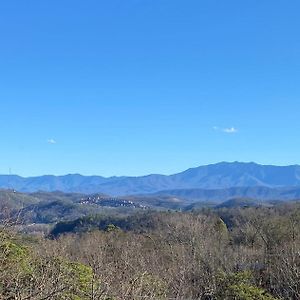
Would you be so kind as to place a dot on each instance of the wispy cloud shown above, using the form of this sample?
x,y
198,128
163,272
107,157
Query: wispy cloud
x,y
229,130
51,141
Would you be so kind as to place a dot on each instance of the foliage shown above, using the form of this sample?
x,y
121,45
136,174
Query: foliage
x,y
239,286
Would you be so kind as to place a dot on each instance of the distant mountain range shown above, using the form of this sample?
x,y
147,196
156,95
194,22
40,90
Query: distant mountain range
x,y
217,179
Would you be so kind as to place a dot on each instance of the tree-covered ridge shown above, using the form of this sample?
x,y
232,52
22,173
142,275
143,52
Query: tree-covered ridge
x,y
46,209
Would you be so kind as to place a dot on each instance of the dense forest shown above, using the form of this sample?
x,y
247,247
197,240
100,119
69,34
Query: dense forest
x,y
221,253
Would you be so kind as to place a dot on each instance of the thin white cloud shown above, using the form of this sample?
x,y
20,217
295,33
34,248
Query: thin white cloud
x,y
51,141
229,130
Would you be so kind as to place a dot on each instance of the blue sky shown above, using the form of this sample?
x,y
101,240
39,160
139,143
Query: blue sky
x,y
147,86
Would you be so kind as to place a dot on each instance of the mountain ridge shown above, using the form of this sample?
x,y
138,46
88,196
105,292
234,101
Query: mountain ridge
x,y
221,175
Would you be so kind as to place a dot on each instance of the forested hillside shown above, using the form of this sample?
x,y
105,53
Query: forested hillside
x,y
226,253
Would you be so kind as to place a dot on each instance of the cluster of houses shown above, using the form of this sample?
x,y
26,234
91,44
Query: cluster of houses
x,y
110,201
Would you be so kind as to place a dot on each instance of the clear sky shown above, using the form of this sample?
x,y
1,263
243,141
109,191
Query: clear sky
x,y
147,86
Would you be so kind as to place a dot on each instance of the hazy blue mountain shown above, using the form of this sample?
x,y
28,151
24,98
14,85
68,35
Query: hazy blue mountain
x,y
218,195
216,176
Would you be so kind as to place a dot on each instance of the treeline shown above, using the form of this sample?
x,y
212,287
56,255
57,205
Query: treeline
x,y
241,253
